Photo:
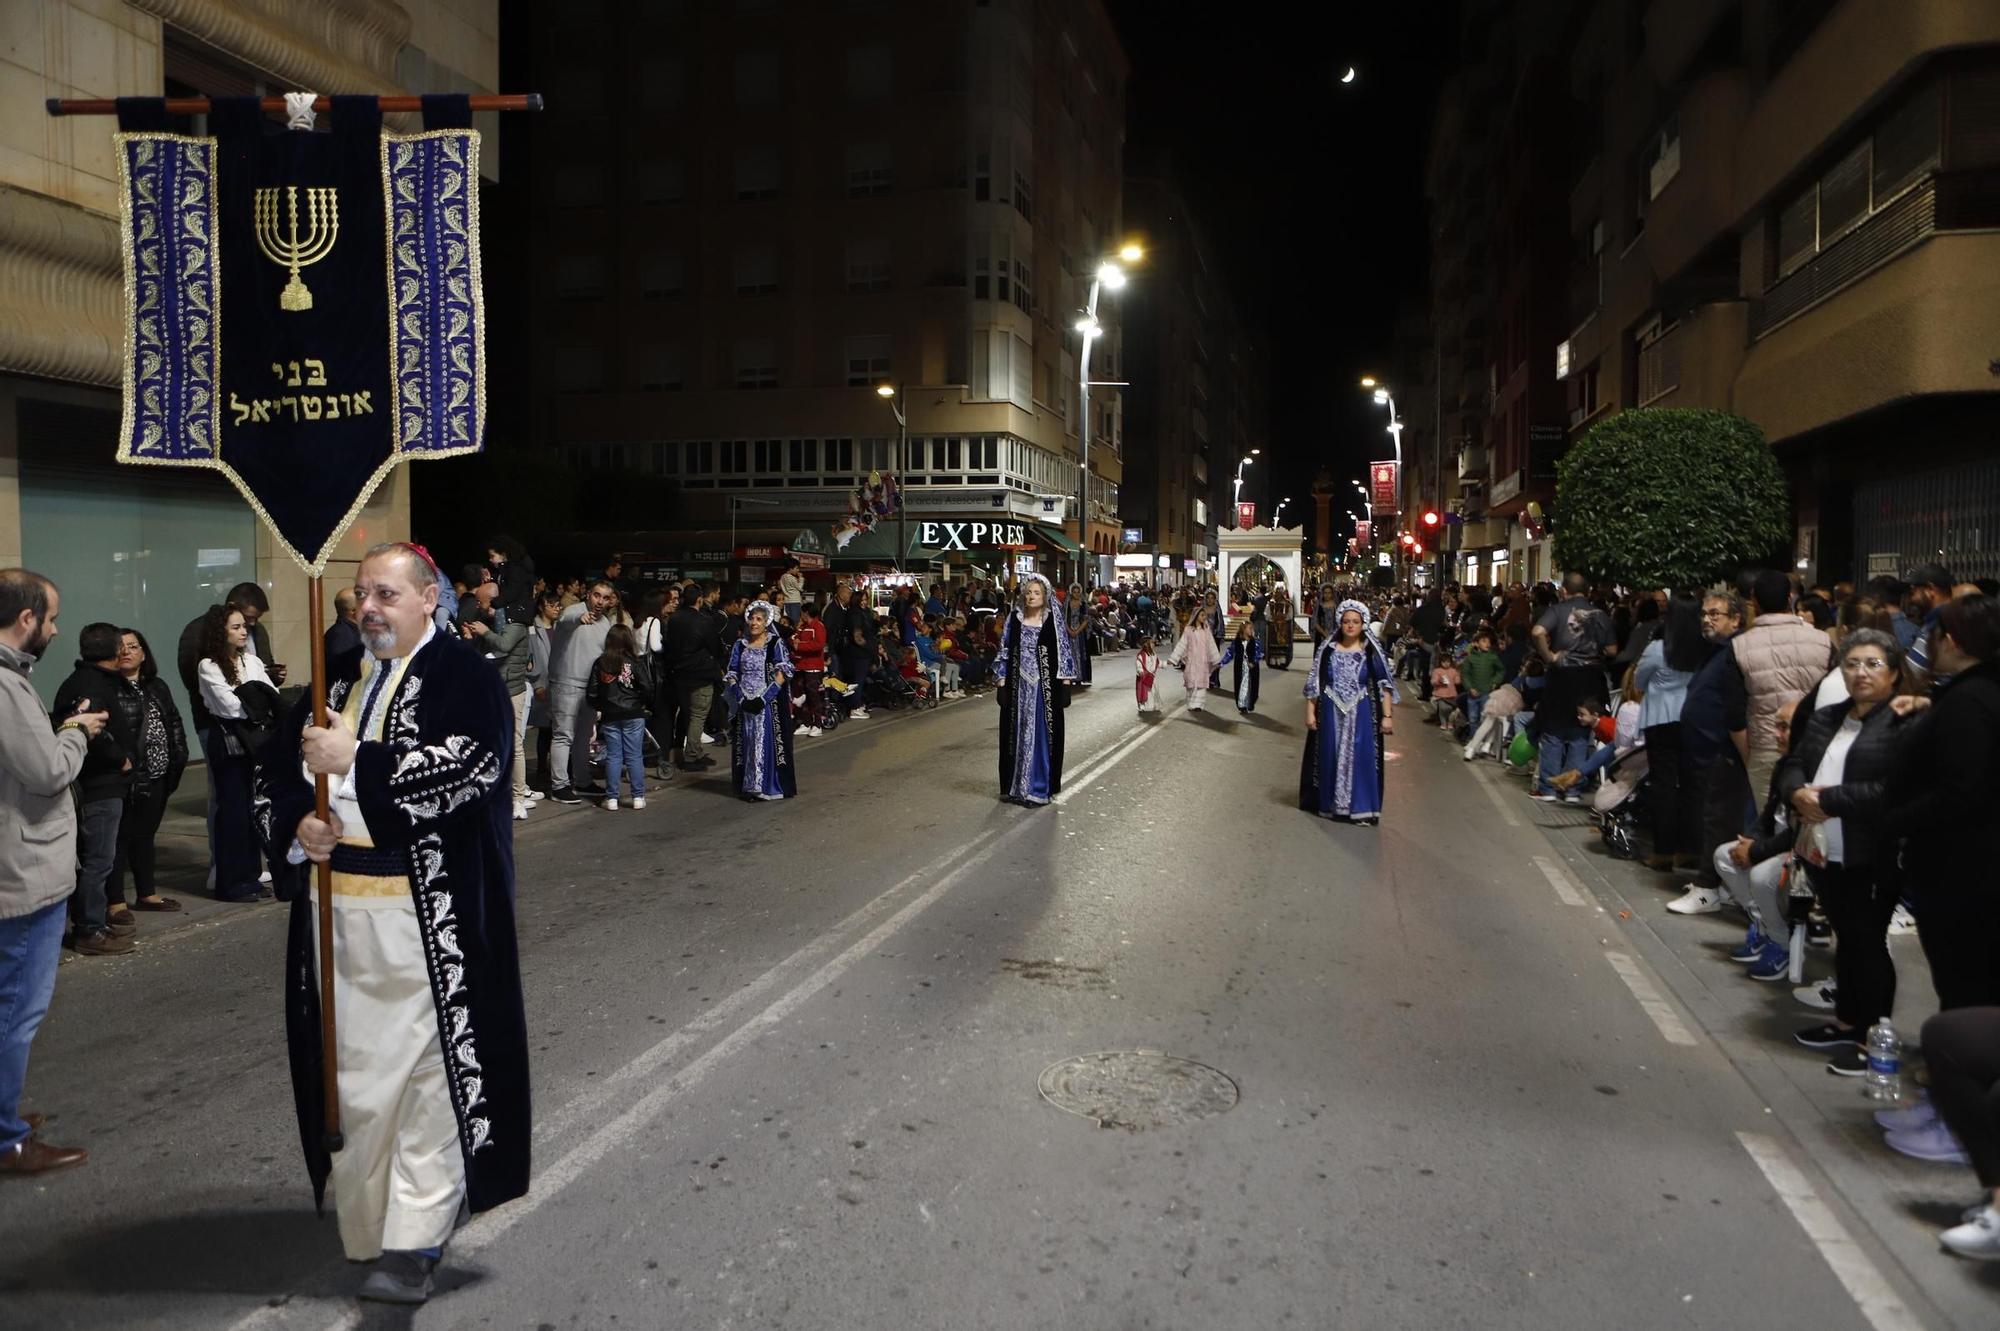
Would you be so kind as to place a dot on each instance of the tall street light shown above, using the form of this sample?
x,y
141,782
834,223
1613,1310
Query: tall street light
x,y
1108,275
1236,496
1278,518
893,395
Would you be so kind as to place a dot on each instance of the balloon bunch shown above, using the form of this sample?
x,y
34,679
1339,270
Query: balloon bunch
x,y
876,498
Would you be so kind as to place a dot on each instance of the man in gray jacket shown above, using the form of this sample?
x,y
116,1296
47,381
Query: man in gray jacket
x,y
574,646
37,853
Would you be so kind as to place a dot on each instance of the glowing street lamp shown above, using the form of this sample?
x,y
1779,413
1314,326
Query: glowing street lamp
x,y
893,395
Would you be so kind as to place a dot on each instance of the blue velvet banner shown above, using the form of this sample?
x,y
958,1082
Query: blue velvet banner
x,y
348,265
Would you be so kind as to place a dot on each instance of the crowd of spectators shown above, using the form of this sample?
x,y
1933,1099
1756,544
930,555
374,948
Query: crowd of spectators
x,y
1811,760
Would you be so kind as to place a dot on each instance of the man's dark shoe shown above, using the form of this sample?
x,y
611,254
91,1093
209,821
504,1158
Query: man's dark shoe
x,y
34,1156
1830,1036
564,795
701,764
118,928
400,1277
102,943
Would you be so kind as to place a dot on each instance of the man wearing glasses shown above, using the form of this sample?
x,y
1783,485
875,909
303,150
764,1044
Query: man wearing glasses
x,y
431,1044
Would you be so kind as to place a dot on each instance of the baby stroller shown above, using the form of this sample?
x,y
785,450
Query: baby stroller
x,y
1618,804
885,689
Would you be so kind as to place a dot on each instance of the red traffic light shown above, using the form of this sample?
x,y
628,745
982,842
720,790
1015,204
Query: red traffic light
x,y
1430,517
1408,539
1417,549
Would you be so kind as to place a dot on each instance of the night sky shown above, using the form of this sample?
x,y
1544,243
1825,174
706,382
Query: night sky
x,y
1311,193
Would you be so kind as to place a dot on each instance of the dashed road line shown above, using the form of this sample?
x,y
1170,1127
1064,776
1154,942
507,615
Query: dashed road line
x,y
1567,889
1864,1282
1662,1012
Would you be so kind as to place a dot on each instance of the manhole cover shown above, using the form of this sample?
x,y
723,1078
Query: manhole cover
x,y
1137,1089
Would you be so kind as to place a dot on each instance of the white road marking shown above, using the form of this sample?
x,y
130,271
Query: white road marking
x,y
1499,800
1669,1021
1559,878
489,1227
1871,1293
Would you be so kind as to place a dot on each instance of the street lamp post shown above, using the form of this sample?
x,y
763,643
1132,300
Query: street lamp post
x,y
1278,518
1110,275
1236,495
893,395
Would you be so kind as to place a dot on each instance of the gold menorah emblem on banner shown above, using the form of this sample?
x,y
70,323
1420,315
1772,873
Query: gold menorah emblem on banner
x,y
286,249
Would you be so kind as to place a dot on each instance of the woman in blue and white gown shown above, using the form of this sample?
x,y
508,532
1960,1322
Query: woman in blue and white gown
x,y
757,691
1348,710
1034,668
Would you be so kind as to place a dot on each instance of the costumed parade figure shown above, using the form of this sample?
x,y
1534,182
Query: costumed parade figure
x,y
759,696
1035,667
1196,657
1076,624
1145,677
1247,652
432,1055
1341,776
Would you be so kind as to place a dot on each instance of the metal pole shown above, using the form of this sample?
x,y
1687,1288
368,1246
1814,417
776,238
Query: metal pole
x,y
329,1045
902,481
1083,433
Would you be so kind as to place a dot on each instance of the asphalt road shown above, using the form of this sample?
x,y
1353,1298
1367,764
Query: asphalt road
x,y
787,1060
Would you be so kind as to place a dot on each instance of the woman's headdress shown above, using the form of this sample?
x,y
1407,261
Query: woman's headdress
x,y
770,612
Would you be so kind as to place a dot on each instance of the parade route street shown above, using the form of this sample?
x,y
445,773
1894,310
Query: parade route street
x,y
786,1064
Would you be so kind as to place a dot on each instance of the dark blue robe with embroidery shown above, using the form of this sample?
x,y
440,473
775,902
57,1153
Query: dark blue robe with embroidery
x,y
435,786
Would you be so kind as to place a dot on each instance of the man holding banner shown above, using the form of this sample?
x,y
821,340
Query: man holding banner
x,y
432,1053
354,342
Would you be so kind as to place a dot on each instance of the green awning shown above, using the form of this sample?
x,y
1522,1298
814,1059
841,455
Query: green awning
x,y
1055,540
879,547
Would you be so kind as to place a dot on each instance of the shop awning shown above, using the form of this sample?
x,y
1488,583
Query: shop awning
x,y
879,547
1056,541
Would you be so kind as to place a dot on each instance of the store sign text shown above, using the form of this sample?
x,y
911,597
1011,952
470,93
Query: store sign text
x,y
965,535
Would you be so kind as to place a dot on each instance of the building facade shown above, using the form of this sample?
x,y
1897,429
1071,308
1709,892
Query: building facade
x,y
1196,410
1790,211
150,548
756,213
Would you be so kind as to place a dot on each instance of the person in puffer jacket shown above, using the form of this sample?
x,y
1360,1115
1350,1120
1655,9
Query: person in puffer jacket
x,y
620,688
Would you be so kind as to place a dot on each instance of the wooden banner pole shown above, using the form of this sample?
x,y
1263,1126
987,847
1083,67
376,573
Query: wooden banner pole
x,y
198,106
329,1061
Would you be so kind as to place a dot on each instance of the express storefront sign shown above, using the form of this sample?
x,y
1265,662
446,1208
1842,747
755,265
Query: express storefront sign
x,y
968,535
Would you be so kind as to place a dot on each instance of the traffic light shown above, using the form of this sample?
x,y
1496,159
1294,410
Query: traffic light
x,y
1430,517
1408,539
1417,549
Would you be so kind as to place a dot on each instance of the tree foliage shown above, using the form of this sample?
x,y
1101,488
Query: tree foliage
x,y
1669,497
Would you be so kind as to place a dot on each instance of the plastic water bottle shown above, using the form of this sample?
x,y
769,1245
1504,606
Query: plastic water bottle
x,y
1885,1062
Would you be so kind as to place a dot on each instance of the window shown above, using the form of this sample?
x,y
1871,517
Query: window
x,y
757,173
701,458
869,172
577,369
982,167
660,367
874,455
661,181
662,273
1003,368
767,457
1024,299
871,74
757,362
868,265
804,456
1843,195
840,457
1903,148
1661,160
867,360
662,85
757,78
579,185
1906,145
1200,513
580,276
756,270
1021,194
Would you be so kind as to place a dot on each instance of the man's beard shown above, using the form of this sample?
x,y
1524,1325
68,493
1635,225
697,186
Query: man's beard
x,y
43,637
378,636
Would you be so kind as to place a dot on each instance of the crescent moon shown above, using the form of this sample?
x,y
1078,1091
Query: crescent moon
x,y
1348,77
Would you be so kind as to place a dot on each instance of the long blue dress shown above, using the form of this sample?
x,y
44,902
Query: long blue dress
x,y
760,745
1341,776
1034,669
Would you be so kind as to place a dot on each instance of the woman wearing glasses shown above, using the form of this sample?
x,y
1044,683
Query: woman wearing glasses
x,y
1834,783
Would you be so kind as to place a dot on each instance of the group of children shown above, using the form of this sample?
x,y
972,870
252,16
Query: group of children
x,y
1200,664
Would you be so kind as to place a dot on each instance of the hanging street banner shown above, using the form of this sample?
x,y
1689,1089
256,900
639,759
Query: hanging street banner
x,y
1382,485
303,308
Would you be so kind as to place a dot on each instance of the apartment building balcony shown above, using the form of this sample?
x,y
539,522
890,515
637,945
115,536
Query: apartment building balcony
x,y
1698,203
1473,461
1922,320
1694,363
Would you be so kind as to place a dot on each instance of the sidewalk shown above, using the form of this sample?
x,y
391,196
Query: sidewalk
x,y
1904,1202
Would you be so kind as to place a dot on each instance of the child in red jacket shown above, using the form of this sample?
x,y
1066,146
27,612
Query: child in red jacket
x,y
809,655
